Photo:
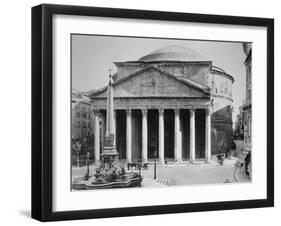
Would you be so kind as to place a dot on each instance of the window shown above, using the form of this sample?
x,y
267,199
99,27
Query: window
x,y
77,115
84,115
249,94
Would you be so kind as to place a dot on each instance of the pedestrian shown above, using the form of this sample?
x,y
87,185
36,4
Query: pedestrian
x,y
221,155
233,145
227,153
247,162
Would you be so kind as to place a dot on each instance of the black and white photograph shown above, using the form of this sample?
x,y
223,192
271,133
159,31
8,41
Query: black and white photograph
x,y
158,112
139,113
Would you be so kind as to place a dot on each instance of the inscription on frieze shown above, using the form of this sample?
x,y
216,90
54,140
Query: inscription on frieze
x,y
150,103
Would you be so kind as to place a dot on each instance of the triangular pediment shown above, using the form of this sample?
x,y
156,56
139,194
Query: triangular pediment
x,y
152,82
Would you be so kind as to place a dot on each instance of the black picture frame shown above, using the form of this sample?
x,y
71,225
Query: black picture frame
x,y
42,107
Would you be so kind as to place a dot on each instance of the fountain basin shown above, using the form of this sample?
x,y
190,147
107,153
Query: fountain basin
x,y
117,183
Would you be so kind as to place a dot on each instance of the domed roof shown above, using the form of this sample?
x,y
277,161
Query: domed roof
x,y
173,53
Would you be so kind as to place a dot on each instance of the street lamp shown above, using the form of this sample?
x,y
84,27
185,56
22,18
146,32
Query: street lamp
x,y
139,165
78,145
87,176
155,156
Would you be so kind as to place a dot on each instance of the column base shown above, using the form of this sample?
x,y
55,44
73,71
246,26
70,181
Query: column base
x,y
144,161
192,161
179,160
207,160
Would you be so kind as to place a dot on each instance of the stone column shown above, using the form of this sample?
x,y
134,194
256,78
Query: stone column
x,y
208,135
103,128
129,136
97,135
109,108
144,135
250,126
161,135
177,136
192,135
114,127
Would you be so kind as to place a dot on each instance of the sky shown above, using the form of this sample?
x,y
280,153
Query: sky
x,y
93,56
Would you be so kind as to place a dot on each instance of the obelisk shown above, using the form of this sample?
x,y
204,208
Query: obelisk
x,y
109,144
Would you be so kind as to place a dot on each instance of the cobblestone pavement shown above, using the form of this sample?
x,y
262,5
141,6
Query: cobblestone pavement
x,y
193,174
188,174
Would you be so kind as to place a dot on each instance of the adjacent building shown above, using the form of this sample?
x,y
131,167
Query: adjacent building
x,y
82,117
172,104
239,125
247,105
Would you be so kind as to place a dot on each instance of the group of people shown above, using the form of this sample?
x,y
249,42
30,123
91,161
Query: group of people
x,y
226,153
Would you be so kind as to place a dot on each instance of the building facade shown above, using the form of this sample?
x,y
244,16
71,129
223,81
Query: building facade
x,y
82,116
171,104
239,125
247,105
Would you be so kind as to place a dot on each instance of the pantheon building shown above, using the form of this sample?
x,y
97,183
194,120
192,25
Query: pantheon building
x,y
172,104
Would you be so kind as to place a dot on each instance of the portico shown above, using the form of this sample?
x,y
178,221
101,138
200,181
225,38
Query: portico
x,y
140,132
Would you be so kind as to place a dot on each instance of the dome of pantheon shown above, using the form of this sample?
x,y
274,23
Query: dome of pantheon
x,y
173,53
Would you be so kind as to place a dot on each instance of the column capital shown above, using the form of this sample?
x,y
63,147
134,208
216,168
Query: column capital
x,y
192,110
96,111
128,111
161,111
144,112
208,111
176,111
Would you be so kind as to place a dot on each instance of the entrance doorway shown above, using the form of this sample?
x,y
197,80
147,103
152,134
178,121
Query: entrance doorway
x,y
121,133
200,133
169,134
152,119
136,135
185,133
